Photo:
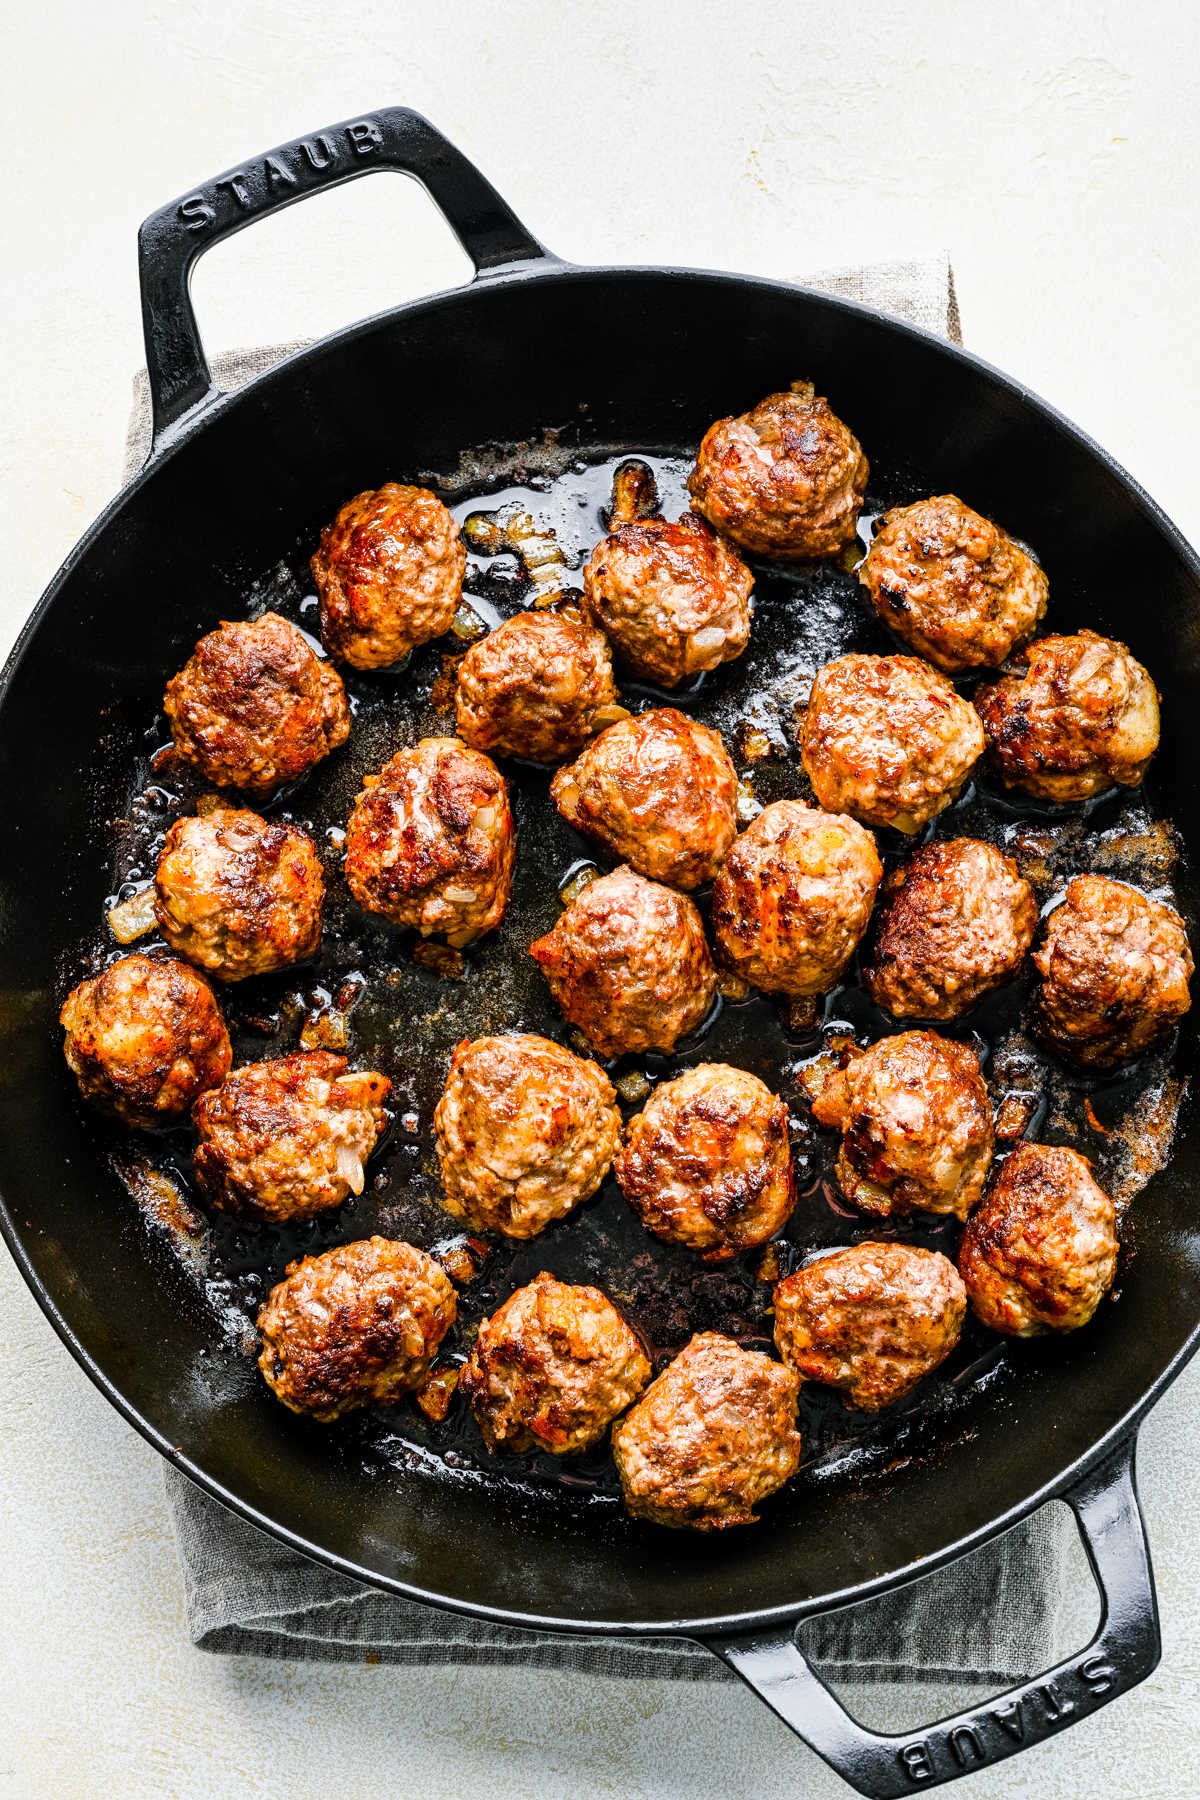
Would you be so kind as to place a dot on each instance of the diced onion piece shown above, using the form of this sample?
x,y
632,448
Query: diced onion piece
x,y
633,1086
634,493
485,818
209,803
134,917
467,624
459,896
732,987
703,642
350,1168
609,715
571,890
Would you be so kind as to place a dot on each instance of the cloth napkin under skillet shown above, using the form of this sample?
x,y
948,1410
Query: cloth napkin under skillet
x,y
994,1618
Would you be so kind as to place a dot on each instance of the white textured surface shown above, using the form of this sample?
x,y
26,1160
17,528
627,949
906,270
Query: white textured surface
x,y
1055,149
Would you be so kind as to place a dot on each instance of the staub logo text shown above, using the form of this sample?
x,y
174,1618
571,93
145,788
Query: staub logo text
x,y
284,171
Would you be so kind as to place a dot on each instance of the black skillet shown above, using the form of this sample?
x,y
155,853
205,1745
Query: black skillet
x,y
235,487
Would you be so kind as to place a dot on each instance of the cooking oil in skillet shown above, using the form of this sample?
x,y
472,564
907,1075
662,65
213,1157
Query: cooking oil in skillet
x,y
366,993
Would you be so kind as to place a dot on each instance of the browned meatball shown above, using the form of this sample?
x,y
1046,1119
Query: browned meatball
x,y
1115,967
237,895
284,1140
540,686
629,965
357,1326
254,708
872,1320
660,792
952,584
1041,1252
954,922
552,1369
1082,717
887,739
707,1162
389,575
794,897
525,1132
673,598
713,1436
143,1038
786,479
430,841
917,1124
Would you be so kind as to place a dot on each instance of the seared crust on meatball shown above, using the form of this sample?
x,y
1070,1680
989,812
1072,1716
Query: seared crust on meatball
x,y
917,1125
888,740
287,1139
552,1369
253,708
1084,716
525,1132
629,965
144,1038
239,896
793,898
673,598
1115,967
713,1436
954,922
660,792
540,686
430,841
357,1326
707,1162
872,1320
389,575
785,479
952,584
1041,1252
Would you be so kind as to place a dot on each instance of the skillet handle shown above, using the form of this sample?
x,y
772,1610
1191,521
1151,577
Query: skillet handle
x,y
172,239
1123,1652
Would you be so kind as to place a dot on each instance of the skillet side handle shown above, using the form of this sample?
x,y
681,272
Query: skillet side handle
x,y
171,240
1123,1652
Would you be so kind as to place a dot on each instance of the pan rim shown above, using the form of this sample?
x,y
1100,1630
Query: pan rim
x,y
544,270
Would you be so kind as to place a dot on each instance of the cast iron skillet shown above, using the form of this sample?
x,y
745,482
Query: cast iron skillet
x,y
638,357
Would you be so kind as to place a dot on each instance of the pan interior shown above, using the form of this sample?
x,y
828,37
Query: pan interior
x,y
388,1492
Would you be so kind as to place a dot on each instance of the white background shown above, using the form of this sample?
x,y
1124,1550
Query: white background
x,y
1054,150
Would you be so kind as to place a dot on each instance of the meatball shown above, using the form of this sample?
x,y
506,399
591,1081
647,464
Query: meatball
x,y
525,1132
672,597
917,1125
143,1038
952,584
709,1439
254,708
239,896
954,922
281,1141
1082,717
430,841
786,479
1115,967
389,575
794,897
540,686
872,1320
629,965
887,739
552,1369
357,1326
660,792
707,1162
1041,1252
